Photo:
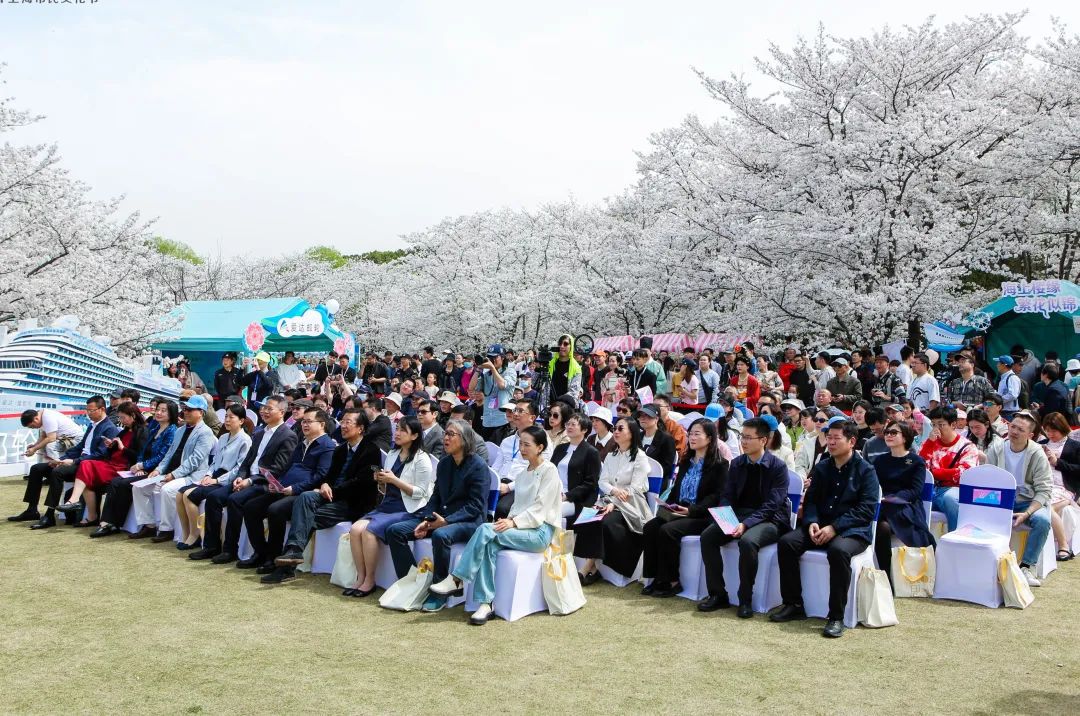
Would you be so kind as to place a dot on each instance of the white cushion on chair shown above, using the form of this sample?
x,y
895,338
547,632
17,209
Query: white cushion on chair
x,y
325,551
692,569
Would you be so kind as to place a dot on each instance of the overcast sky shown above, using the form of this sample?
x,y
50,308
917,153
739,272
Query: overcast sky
x,y
274,126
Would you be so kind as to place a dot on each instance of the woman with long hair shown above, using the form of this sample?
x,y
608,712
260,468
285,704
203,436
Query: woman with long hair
x,y
699,486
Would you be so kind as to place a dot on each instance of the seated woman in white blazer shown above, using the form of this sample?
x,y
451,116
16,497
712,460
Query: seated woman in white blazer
x,y
533,520
405,483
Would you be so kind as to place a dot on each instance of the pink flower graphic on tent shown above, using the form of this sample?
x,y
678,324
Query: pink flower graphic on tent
x,y
254,336
344,346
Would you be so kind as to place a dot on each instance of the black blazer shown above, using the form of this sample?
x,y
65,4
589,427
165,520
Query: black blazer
x,y
582,473
278,453
663,451
138,444
356,484
710,488
379,432
1069,465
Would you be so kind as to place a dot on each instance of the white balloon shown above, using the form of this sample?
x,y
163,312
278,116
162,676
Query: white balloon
x,y
332,306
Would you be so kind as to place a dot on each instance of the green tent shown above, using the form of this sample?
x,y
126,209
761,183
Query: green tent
x,y
1040,315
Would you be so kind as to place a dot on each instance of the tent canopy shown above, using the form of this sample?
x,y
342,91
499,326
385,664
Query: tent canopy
x,y
286,324
1039,315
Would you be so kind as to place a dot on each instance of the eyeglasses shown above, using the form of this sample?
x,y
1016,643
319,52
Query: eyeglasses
x,y
821,420
452,434
891,431
744,436
308,422
423,412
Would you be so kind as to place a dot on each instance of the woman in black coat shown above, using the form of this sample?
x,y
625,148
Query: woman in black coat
x,y
658,443
700,485
580,472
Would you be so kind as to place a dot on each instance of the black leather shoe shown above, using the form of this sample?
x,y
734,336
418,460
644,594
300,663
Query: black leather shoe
x,y
105,531
279,575
25,516
649,588
203,553
265,568
713,602
70,507
44,523
162,537
590,578
251,563
669,591
224,558
788,613
834,629
184,546
144,532
745,611
290,559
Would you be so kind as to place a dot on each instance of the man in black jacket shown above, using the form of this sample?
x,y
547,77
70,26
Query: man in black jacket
x,y
271,451
228,380
380,431
346,492
756,491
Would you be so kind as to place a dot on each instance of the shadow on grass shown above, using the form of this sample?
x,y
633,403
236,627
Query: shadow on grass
x,y
1031,702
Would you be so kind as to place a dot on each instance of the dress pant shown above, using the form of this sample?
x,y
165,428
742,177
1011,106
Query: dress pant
x,y
477,563
399,535
276,508
118,500
167,501
56,477
311,511
224,499
610,540
840,550
663,544
750,544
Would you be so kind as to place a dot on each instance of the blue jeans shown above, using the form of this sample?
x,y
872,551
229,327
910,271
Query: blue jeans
x,y
1039,522
947,500
399,535
477,564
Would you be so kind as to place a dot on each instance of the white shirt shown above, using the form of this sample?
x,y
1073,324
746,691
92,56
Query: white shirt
x,y
537,499
53,421
924,390
564,464
821,380
289,375
89,435
513,464
903,372
1014,463
267,432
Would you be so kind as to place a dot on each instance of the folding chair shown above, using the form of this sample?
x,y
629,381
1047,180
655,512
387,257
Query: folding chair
x,y
967,558
656,481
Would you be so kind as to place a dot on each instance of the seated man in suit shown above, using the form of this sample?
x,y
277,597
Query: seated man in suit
x,y
346,492
839,507
756,490
310,463
185,462
428,413
453,513
92,446
522,414
271,450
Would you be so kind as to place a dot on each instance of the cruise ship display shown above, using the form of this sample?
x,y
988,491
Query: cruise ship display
x,y
60,368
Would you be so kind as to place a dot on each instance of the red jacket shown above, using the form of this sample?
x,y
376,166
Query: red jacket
x,y
947,462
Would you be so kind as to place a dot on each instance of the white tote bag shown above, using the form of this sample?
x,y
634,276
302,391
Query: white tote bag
x,y
562,588
408,593
344,574
1014,586
914,570
875,600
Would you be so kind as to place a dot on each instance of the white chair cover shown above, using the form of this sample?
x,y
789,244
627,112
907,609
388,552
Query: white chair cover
x,y
519,589
928,496
326,546
967,564
692,569
422,550
609,575
1047,558
495,456
656,480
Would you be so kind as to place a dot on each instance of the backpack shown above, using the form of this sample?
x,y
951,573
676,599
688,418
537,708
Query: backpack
x,y
1025,395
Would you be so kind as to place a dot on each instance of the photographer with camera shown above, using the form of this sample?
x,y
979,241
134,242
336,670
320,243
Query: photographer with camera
x,y
375,374
496,381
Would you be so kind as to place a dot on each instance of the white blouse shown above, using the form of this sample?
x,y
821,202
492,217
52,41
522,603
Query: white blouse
x,y
537,497
619,471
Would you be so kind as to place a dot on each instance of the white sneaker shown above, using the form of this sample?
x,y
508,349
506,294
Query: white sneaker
x,y
1032,580
448,586
481,615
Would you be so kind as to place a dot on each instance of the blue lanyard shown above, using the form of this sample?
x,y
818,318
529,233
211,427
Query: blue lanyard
x,y
514,454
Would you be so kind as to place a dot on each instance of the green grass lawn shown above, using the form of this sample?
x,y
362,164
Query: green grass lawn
x,y
97,626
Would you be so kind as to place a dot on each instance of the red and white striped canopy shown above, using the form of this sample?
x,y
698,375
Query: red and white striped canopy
x,y
615,343
722,341
670,342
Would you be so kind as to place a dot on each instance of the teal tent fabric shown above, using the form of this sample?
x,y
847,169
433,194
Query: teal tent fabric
x,y
1052,329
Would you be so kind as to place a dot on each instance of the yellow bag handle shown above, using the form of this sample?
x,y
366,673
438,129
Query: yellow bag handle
x,y
549,568
1003,570
425,566
925,566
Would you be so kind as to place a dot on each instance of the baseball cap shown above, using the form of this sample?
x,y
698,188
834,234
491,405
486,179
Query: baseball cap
x,y
1006,360
793,402
648,410
771,422
508,405
263,356
116,393
896,407
394,398
496,349
689,361
840,360
239,400
229,354
195,402
303,403
836,421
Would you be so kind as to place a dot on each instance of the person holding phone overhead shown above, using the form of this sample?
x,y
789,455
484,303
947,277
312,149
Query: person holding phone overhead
x,y
702,477
92,475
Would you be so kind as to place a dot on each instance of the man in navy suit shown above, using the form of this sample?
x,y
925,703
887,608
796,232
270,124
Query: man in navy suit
x,y
271,451
93,446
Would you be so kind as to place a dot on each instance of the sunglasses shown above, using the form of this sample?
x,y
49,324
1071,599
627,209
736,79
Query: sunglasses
x,y
821,420
564,343
892,431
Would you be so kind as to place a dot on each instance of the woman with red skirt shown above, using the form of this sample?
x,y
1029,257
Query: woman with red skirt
x,y
92,475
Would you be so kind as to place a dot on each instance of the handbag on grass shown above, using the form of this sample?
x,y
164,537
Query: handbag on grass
x,y
875,599
408,593
1014,587
559,578
344,574
914,571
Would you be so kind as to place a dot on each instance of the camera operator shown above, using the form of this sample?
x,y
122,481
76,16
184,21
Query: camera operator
x,y
496,381
375,374
565,371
